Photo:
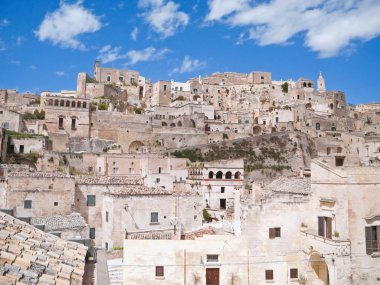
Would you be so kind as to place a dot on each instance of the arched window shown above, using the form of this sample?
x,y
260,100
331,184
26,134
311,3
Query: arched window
x,y
237,175
56,102
62,103
84,105
164,124
50,102
309,84
172,125
318,126
228,175
79,104
73,104
219,175
211,175
304,84
67,103
179,124
331,106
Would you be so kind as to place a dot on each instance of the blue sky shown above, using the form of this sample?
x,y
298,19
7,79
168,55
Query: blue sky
x,y
45,43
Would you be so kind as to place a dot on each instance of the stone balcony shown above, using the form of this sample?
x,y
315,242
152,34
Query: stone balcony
x,y
325,246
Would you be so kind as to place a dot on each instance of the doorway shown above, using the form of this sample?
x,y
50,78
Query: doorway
x,y
212,276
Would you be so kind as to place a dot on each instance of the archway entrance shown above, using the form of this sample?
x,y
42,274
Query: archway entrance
x,y
319,266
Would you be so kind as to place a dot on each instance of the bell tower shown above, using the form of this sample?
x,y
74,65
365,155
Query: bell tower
x,y
321,83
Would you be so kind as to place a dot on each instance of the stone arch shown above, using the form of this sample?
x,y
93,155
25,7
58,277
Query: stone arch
x,y
62,103
164,124
56,102
211,175
50,102
237,175
67,103
317,126
136,147
309,84
333,129
179,124
304,84
73,104
256,120
196,97
219,175
172,125
256,130
227,129
229,175
331,106
84,105
192,123
319,266
79,104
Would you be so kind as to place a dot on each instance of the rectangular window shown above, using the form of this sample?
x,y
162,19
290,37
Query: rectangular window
x,y
159,271
92,233
164,87
100,169
371,239
73,124
154,217
21,148
212,258
222,189
91,200
293,273
121,78
159,170
157,180
27,204
106,216
268,275
325,227
222,203
115,170
274,233
180,89
108,78
60,123
55,204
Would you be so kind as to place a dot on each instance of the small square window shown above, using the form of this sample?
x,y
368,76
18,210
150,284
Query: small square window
x,y
27,204
222,189
55,204
268,275
274,233
293,273
159,271
91,200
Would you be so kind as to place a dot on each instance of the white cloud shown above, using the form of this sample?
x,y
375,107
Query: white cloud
x,y
134,33
16,62
108,54
189,65
163,16
19,40
32,67
329,27
4,22
60,73
63,26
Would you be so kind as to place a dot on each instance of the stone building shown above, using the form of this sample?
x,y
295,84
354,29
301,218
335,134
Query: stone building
x,y
10,120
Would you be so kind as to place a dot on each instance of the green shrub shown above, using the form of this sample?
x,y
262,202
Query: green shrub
x,y
206,216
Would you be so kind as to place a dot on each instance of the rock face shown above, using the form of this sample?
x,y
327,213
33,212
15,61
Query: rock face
x,y
30,256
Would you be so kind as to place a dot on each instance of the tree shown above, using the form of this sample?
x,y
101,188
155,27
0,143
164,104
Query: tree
x,y
285,87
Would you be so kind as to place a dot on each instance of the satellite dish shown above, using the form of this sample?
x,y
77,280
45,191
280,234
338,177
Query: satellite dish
x,y
174,221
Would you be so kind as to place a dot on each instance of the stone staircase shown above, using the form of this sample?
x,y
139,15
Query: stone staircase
x,y
115,271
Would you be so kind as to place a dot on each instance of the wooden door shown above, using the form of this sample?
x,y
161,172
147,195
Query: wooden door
x,y
212,276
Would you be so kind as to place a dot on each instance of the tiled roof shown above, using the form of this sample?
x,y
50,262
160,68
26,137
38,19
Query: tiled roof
x,y
30,256
108,180
293,185
199,233
54,223
38,174
151,235
138,190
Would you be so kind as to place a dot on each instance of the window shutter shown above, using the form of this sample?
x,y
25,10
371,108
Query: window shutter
x,y
271,233
329,228
268,274
321,226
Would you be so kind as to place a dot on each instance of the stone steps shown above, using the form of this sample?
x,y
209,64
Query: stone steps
x,y
115,272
